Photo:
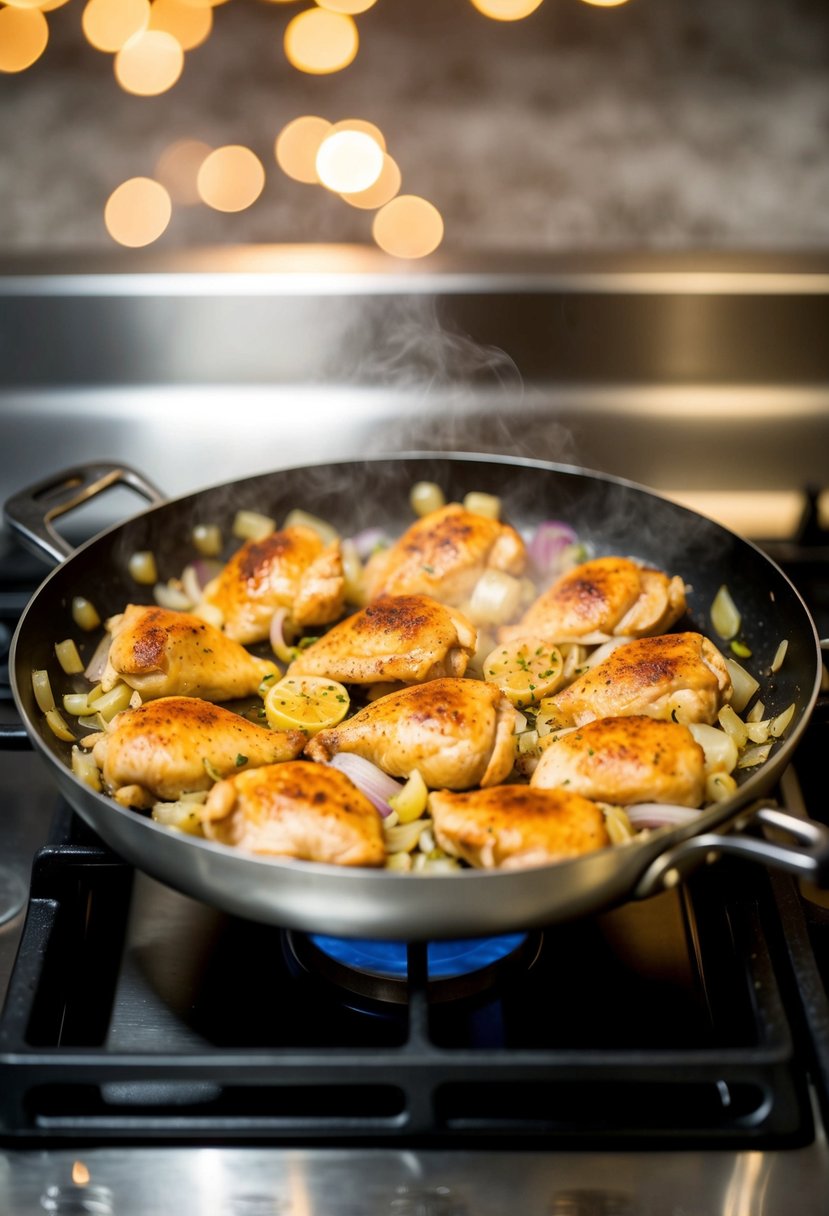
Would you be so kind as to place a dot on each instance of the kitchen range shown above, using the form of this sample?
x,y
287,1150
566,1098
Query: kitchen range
x,y
668,1055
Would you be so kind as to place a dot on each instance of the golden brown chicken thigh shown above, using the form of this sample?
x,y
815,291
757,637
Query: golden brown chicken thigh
x,y
444,554
512,826
458,733
626,760
292,569
410,638
162,653
308,811
177,745
601,599
677,675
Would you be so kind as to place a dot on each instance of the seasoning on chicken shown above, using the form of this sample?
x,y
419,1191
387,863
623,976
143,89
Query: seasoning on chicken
x,y
162,653
443,554
677,675
514,826
292,569
458,733
307,811
178,745
626,760
601,599
410,638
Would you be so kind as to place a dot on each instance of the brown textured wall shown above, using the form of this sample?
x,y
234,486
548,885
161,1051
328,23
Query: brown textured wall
x,y
661,124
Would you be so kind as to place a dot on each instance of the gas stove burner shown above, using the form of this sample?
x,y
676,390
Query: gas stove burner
x,y
379,969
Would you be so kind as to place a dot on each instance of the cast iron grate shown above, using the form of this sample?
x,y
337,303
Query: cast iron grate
x,y
712,1063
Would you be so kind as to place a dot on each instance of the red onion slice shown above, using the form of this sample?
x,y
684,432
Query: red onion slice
x,y
550,539
368,540
377,786
659,815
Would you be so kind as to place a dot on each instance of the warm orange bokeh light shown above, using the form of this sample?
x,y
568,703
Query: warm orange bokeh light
x,y
351,7
605,3
319,42
408,227
360,124
189,26
204,3
297,145
178,167
149,63
24,34
137,212
506,10
108,24
349,161
47,6
383,190
80,1173
231,178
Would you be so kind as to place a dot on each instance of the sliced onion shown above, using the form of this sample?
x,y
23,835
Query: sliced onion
x,y
370,539
549,541
743,683
725,615
279,643
377,786
655,815
97,664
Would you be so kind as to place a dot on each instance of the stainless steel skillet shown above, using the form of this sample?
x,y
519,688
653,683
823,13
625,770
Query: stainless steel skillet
x,y
610,515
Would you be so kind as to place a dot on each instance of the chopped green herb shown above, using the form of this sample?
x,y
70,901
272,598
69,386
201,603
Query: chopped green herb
x,y
240,760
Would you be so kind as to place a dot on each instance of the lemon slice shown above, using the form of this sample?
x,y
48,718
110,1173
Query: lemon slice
x,y
525,669
308,703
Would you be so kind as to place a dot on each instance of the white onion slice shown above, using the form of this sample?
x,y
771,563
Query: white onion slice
x,y
657,815
377,786
279,643
97,664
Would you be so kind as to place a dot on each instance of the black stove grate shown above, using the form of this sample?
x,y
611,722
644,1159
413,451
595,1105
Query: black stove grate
x,y
691,1052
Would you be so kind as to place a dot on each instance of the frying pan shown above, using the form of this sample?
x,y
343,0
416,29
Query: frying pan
x,y
611,516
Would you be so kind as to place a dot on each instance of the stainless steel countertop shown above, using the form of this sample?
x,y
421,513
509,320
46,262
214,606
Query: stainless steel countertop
x,y
217,1181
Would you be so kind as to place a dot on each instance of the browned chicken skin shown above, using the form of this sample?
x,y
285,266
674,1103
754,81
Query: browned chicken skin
x,y
308,811
512,826
626,760
292,569
458,733
678,675
600,599
410,638
162,653
444,554
165,748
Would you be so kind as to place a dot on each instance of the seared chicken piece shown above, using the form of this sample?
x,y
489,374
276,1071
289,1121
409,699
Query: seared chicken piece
x,y
444,554
166,747
292,569
601,599
162,653
308,811
677,675
410,638
513,826
626,760
458,733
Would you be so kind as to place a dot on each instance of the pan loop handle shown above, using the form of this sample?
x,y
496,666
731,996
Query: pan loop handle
x,y
807,857
31,512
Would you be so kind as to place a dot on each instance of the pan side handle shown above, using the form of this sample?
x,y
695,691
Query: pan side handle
x,y
807,855
31,512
